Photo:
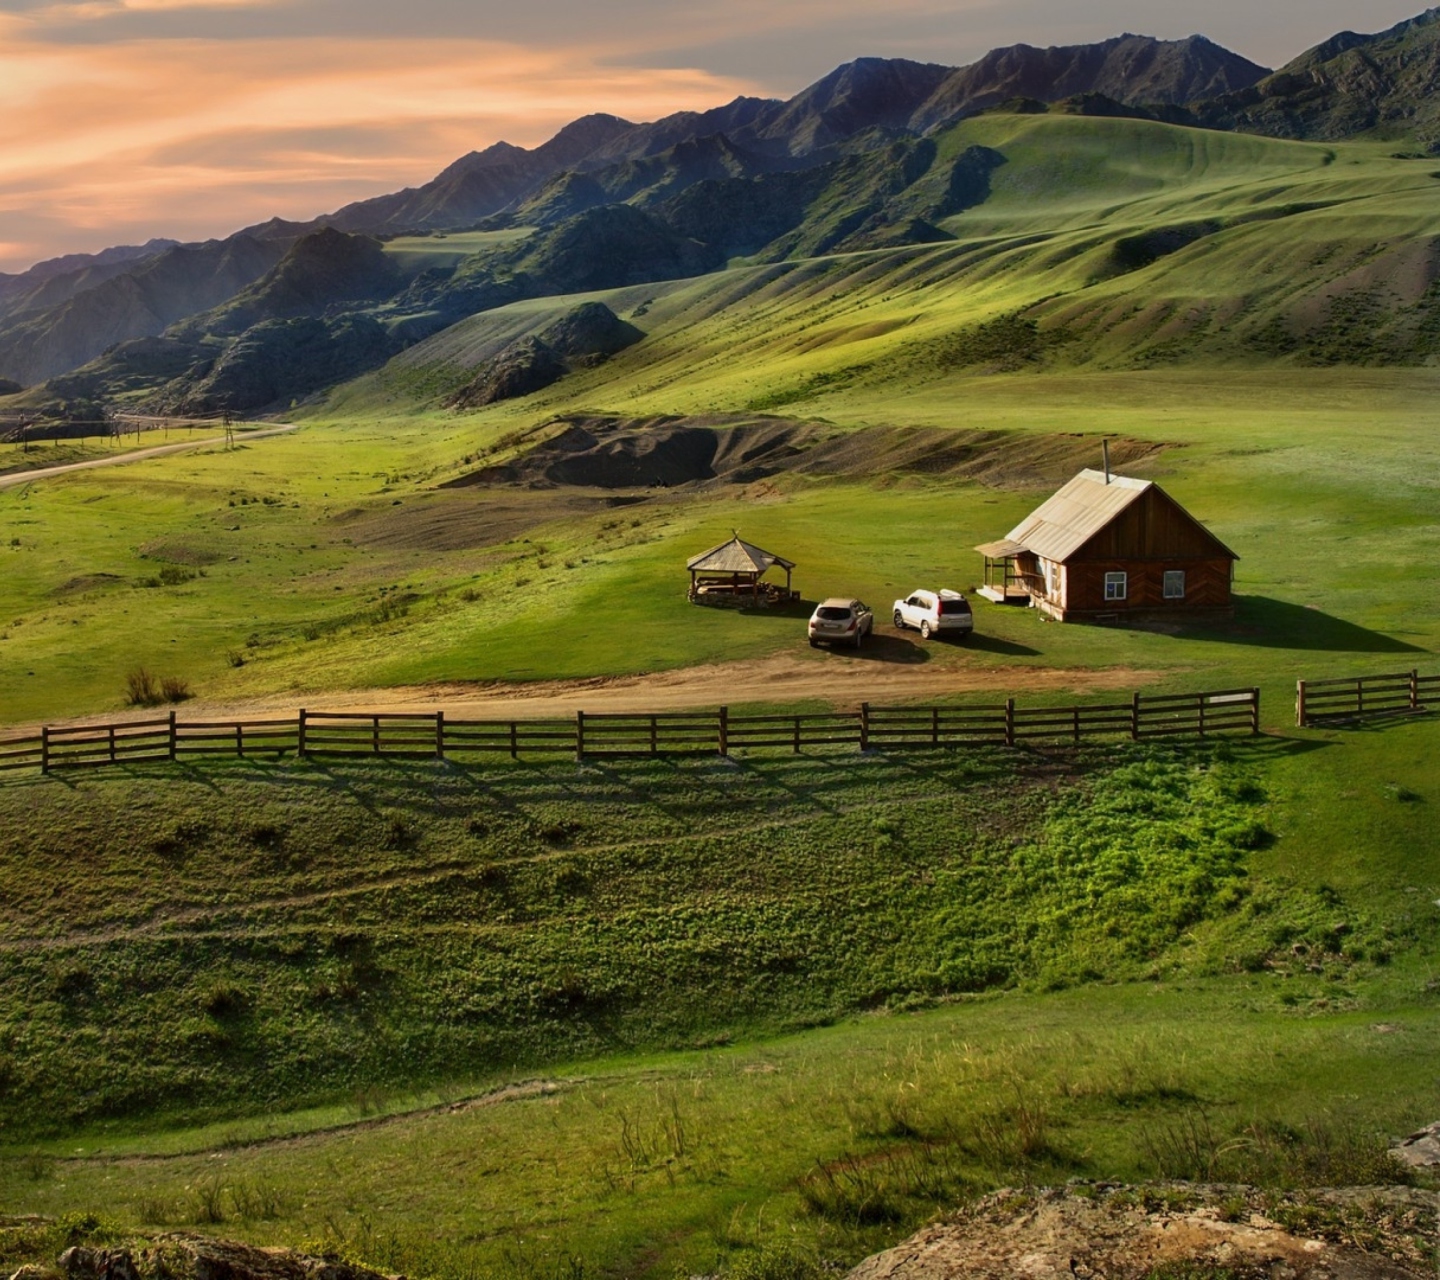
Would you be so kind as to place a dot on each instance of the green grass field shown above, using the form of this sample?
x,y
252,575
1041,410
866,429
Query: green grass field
x,y
764,1015
843,994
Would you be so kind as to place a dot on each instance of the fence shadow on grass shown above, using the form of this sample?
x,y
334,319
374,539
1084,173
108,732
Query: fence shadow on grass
x,y
1264,622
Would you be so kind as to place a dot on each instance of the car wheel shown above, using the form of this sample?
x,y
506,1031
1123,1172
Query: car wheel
x,y
899,621
859,636
925,631
814,644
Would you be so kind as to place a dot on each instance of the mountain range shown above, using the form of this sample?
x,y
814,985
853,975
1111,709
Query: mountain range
x,y
855,161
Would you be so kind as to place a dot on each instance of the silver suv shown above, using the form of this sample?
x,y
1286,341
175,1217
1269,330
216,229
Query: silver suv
x,y
841,621
931,613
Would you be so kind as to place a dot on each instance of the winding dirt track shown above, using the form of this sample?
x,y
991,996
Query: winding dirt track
x,y
842,679
17,478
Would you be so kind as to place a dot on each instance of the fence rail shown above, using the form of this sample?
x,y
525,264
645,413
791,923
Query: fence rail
x,y
1320,702
436,735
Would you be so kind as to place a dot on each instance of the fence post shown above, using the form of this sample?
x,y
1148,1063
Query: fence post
x,y
934,726
1076,711
300,748
240,739
1135,717
579,735
174,736
1200,702
1009,722
1254,712
654,744
111,738
514,740
797,735
439,735
864,726
1414,690
724,731
1360,694
375,734
45,748
1300,704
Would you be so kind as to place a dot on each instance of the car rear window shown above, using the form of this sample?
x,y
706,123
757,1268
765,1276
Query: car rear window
x,y
834,615
954,606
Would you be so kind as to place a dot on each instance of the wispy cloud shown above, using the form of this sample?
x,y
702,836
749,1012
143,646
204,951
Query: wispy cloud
x,y
190,138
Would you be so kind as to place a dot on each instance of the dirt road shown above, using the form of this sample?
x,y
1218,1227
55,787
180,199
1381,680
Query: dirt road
x,y
842,679
17,478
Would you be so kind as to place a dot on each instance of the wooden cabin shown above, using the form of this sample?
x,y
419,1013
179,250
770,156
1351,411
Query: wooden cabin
x,y
1106,548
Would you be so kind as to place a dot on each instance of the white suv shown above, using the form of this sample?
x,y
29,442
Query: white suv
x,y
841,621
935,613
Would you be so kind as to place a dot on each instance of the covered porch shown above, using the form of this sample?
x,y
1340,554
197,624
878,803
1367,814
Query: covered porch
x,y
1005,579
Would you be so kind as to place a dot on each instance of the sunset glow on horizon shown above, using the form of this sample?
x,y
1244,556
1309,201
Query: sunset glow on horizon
x,y
123,120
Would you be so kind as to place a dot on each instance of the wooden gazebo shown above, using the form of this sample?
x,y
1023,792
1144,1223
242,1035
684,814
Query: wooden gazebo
x,y
735,569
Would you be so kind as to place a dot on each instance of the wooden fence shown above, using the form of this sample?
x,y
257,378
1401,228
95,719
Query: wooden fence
x,y
437,735
1320,702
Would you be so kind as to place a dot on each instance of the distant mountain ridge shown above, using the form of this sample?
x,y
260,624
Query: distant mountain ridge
x,y
1351,84
863,96
847,164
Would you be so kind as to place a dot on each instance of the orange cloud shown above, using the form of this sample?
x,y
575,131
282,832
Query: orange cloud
x,y
101,144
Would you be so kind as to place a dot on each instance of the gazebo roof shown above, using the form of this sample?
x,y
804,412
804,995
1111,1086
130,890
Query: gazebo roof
x,y
736,556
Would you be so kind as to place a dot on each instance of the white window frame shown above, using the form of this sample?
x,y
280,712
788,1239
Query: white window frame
x,y
1117,586
1172,575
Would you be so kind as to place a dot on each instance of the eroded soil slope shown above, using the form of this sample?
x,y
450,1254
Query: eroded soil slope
x,y
666,451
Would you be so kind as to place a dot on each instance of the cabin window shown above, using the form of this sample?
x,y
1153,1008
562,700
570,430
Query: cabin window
x,y
1116,586
1052,578
1174,584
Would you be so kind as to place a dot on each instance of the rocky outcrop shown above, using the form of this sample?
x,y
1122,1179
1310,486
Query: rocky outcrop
x,y
582,338
524,367
277,361
1421,1150
1129,1233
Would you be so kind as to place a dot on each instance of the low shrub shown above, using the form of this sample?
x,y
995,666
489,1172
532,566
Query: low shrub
x,y
142,689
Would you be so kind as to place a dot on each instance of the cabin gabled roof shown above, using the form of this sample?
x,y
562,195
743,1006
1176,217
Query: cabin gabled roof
x,y
736,556
1065,522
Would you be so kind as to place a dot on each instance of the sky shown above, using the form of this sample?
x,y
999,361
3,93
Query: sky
x,y
121,120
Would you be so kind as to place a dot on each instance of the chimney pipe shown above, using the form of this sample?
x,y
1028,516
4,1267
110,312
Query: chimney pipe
x,y
1105,449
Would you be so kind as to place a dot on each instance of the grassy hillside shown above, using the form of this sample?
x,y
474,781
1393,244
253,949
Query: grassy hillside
x,y
1160,963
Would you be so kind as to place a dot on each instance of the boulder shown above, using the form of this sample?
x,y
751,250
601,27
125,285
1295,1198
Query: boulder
x,y
1420,1150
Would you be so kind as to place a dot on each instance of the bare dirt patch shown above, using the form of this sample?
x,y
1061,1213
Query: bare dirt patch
x,y
179,553
460,520
86,582
1126,1233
